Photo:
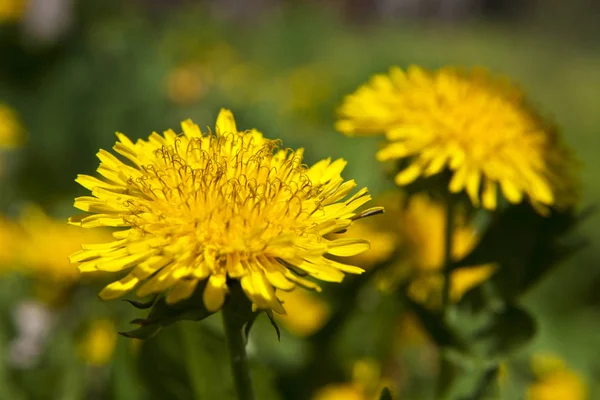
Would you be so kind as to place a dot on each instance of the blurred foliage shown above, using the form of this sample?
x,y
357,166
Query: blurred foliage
x,y
136,67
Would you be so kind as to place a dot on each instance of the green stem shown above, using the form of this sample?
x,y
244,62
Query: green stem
x,y
487,378
448,236
445,368
237,353
192,361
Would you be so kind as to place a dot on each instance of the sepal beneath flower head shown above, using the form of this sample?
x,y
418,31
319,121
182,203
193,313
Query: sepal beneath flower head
x,y
244,311
163,314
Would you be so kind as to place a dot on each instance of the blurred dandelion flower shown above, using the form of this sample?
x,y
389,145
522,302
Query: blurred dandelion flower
x,y
424,226
98,345
554,380
367,383
45,244
12,10
216,207
339,391
305,313
11,130
480,127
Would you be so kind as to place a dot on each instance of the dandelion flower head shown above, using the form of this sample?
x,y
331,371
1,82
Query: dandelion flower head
x,y
306,312
216,207
554,380
479,127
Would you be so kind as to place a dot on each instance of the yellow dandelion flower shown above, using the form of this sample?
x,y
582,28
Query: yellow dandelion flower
x,y
305,312
424,226
479,127
214,207
11,130
554,381
12,10
99,343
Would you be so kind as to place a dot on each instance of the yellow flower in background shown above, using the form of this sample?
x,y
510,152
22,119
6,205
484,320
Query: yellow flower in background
x,y
188,83
305,312
98,345
340,391
555,381
11,130
12,10
217,206
424,226
479,126
367,384
45,244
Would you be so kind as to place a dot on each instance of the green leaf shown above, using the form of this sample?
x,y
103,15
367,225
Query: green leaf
x,y
508,331
182,359
525,245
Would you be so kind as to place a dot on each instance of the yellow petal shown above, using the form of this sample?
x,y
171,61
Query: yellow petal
x,y
88,266
437,164
234,266
119,288
121,263
511,191
541,191
90,183
264,294
403,132
459,179
322,271
275,273
351,269
334,170
214,292
181,291
393,151
345,126
225,122
190,129
347,247
489,196
408,175
473,180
